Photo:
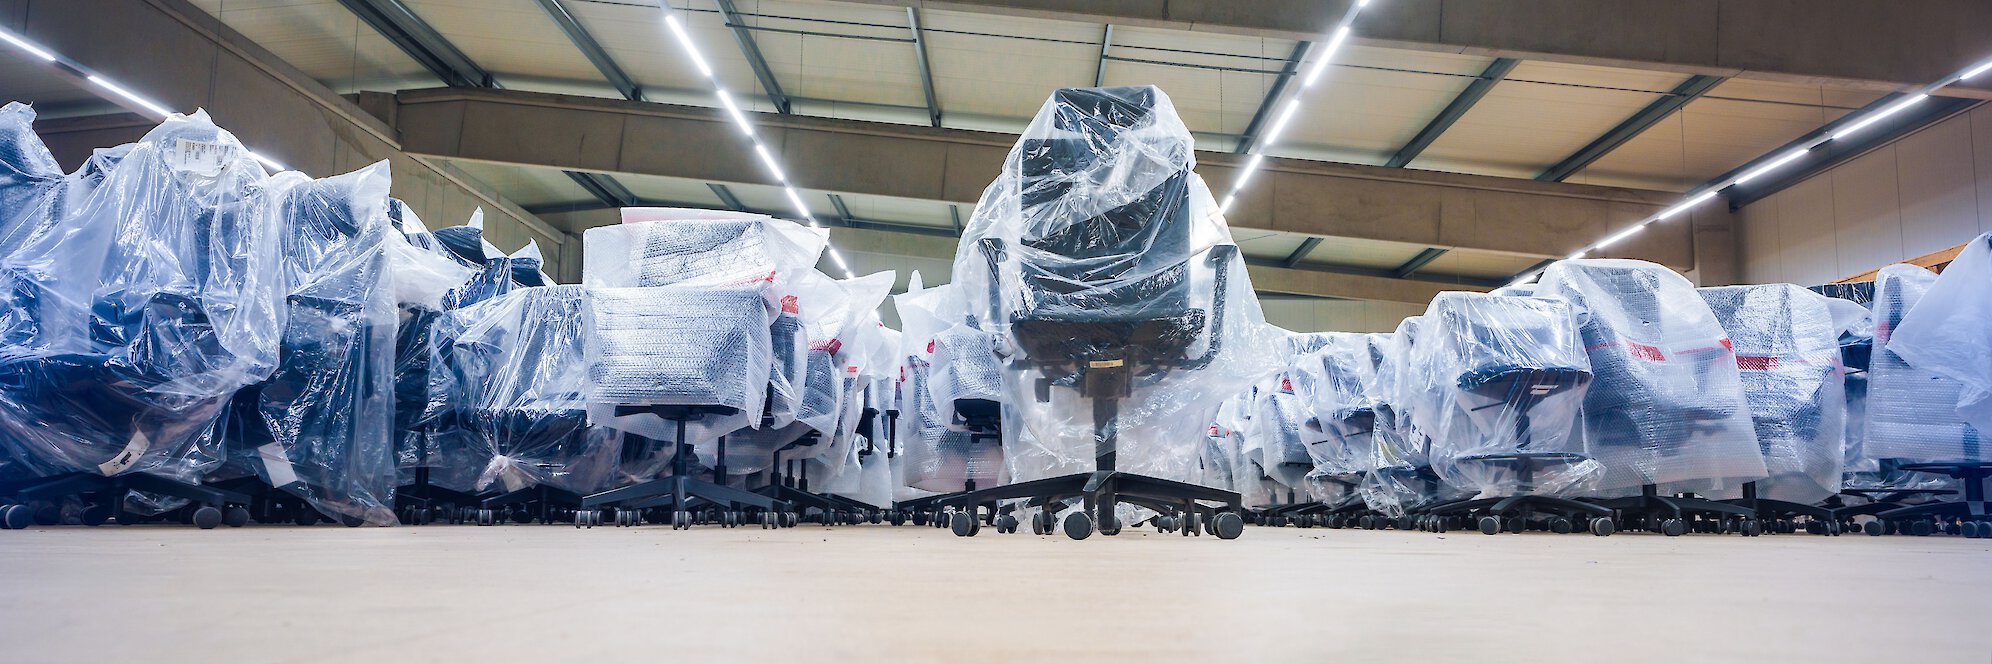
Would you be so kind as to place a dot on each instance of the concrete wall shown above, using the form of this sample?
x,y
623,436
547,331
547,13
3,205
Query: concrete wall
x,y
1929,191
183,58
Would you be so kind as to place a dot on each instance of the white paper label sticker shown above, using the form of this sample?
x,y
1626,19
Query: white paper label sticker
x,y
200,157
133,451
277,465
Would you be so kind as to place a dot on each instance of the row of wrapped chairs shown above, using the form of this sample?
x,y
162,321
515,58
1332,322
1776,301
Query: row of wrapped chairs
x,y
1615,395
188,337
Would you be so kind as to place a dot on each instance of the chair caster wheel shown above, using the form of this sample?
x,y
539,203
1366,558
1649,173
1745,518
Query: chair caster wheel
x,y
99,515
1227,526
964,524
1602,527
235,517
1560,526
1489,525
1006,524
1109,525
1754,528
15,517
681,520
206,518
1969,530
1192,524
919,519
1673,527
1078,526
1044,523
1921,528
1873,528
895,517
487,518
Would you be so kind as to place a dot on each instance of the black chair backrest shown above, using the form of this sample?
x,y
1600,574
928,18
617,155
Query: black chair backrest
x,y
1126,262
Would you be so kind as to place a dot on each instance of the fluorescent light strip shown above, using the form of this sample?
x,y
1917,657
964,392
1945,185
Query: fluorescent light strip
x,y
272,164
1977,70
1327,54
796,200
1878,115
769,161
1684,206
1621,235
1279,124
1245,174
130,96
740,119
1226,205
733,111
685,42
25,45
1760,171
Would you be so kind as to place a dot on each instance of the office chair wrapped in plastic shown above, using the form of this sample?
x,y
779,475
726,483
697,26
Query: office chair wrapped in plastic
x,y
431,276
1665,412
1930,395
321,427
1510,380
508,408
1400,478
703,248
1788,348
31,183
849,345
1102,264
941,456
128,325
1338,381
807,456
1278,438
682,346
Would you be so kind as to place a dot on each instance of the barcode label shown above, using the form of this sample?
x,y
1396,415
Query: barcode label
x,y
200,157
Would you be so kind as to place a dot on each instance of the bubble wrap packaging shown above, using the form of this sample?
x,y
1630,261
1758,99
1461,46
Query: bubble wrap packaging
x,y
677,346
1104,268
1666,404
127,325
702,248
1788,348
1916,401
1509,378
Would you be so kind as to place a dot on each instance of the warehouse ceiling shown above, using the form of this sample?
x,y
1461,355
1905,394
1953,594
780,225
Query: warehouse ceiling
x,y
1399,108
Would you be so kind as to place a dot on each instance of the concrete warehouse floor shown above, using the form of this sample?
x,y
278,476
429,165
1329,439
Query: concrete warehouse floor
x,y
908,594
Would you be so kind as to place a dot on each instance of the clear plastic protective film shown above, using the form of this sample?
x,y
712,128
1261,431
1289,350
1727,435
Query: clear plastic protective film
x,y
1119,302
321,427
129,323
937,457
31,183
684,283
1666,404
1950,334
507,397
1787,345
1335,374
856,350
1913,409
1401,475
1504,383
